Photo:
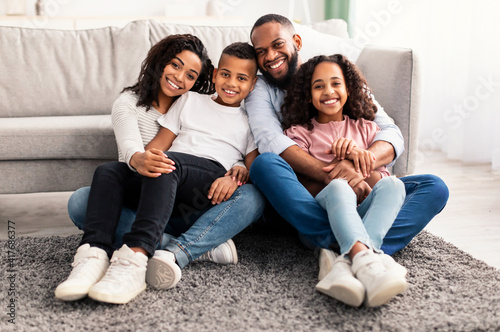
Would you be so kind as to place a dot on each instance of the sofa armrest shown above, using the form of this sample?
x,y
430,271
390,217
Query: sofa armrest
x,y
392,75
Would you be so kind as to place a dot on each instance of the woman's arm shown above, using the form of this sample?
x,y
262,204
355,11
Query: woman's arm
x,y
153,162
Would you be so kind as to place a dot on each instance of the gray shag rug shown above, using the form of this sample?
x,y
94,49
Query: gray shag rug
x,y
271,288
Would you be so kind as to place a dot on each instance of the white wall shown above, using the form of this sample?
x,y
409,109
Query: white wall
x,y
247,10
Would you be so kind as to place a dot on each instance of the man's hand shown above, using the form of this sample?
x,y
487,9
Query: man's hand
x,y
222,189
152,163
343,170
239,174
362,190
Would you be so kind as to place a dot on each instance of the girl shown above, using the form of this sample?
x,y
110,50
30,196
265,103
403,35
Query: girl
x,y
174,66
329,102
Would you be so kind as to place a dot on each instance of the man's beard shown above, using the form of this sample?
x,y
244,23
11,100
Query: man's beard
x,y
283,82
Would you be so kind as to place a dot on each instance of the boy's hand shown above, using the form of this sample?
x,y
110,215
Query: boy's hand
x,y
152,163
239,174
222,189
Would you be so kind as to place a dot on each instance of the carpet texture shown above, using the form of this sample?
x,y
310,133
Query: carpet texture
x,y
271,288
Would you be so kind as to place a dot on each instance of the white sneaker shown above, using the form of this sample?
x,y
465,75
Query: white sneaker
x,y
381,284
225,253
163,272
326,259
89,265
124,279
392,265
341,284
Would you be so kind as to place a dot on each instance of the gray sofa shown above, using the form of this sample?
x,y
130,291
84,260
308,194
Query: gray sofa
x,y
57,88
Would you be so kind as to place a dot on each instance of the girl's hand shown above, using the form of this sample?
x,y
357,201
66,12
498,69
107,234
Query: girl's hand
x,y
363,160
222,189
152,163
341,147
239,174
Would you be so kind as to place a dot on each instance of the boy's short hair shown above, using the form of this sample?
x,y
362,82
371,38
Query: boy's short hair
x,y
240,50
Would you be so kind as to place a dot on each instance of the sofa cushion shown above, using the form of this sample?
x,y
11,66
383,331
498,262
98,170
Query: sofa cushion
x,y
58,137
56,72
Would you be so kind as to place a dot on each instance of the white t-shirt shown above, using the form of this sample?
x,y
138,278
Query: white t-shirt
x,y
209,130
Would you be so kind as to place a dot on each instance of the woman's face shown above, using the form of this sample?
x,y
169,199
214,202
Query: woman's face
x,y
180,74
328,92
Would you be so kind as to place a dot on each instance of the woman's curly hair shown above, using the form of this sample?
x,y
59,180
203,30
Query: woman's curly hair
x,y
298,109
161,54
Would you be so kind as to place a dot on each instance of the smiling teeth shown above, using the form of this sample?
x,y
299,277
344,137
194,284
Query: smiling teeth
x,y
277,65
172,84
330,101
230,92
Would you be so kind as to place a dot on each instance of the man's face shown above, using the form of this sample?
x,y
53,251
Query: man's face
x,y
277,52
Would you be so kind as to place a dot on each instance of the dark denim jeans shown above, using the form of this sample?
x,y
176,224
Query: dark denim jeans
x,y
154,199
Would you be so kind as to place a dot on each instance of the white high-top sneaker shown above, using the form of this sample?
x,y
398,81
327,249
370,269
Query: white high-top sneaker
x,y
381,284
124,279
163,272
89,265
341,284
326,259
224,253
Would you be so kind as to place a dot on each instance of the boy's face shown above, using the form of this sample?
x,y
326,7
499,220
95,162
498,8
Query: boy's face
x,y
234,79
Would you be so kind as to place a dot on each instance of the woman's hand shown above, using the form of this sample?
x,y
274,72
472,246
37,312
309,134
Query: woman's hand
x,y
152,163
239,174
222,189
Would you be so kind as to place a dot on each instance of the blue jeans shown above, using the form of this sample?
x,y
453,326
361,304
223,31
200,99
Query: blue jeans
x,y
189,240
367,223
426,196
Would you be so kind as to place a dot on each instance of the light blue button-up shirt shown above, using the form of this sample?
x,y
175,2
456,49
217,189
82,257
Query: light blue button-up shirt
x,y
263,106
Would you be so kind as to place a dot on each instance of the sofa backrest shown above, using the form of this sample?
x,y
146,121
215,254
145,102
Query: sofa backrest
x,y
66,72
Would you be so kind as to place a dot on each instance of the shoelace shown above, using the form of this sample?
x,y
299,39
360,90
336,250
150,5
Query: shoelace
x,y
119,267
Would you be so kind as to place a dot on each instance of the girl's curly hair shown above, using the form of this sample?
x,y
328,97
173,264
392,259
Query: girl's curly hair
x,y
298,109
148,83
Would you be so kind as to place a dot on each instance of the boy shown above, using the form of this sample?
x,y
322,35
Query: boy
x,y
204,137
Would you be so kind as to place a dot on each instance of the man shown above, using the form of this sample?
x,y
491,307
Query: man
x,y
275,171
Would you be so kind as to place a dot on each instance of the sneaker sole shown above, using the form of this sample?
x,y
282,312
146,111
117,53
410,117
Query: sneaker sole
x,y
343,293
162,275
64,295
233,251
385,294
115,298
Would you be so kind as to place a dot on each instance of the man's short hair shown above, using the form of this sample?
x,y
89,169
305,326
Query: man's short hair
x,y
285,22
240,50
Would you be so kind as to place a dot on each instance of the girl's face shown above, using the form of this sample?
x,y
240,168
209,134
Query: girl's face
x,y
180,74
328,92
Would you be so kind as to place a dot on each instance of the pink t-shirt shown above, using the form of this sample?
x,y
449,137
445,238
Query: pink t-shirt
x,y
320,138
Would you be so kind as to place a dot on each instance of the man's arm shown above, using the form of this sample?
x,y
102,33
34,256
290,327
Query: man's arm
x,y
391,139
263,108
